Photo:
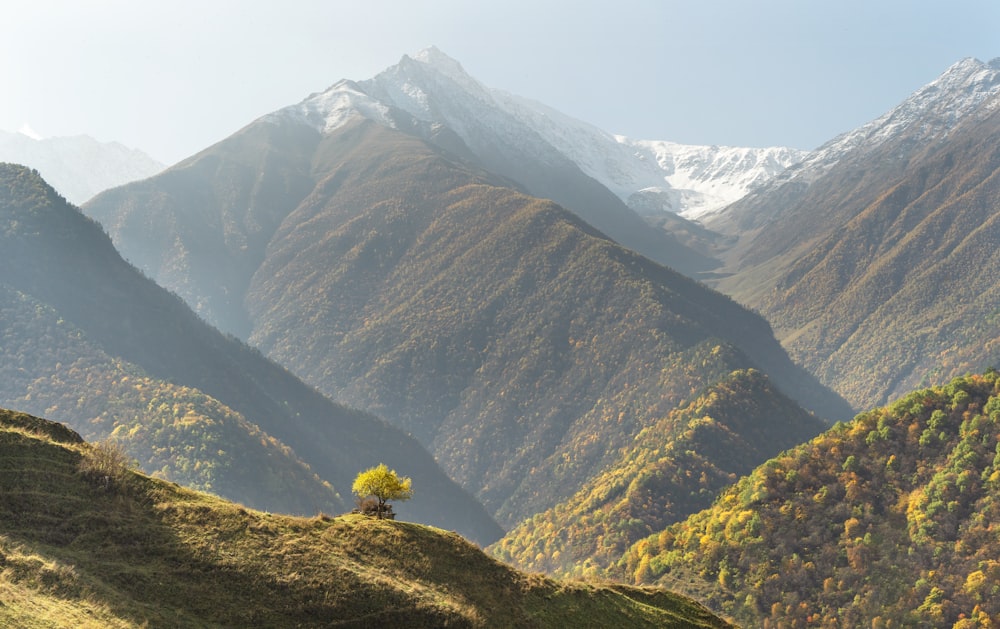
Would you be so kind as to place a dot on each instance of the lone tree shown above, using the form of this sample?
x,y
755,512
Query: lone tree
x,y
384,484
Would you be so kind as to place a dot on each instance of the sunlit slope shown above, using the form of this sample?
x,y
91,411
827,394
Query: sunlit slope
x,y
889,520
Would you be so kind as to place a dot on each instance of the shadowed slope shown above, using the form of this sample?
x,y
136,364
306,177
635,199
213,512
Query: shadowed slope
x,y
107,349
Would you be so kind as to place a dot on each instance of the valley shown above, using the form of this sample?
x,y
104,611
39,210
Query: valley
x,y
761,378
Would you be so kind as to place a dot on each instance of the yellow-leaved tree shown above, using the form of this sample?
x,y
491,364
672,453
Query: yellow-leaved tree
x,y
384,484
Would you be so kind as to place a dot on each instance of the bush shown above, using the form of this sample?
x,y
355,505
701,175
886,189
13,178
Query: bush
x,y
107,465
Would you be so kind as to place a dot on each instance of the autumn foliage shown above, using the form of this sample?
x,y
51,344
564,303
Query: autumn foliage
x,y
886,521
384,484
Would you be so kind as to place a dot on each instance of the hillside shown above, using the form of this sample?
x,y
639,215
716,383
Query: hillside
x,y
89,341
674,468
876,264
912,276
124,550
888,520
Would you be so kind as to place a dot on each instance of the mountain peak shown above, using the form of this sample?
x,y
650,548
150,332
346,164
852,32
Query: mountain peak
x,y
928,114
433,56
429,90
970,80
431,62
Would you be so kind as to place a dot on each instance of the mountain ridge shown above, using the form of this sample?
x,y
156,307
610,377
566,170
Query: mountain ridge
x,y
673,468
929,113
78,166
846,268
117,337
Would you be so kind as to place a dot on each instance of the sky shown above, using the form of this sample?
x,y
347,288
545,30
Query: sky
x,y
173,77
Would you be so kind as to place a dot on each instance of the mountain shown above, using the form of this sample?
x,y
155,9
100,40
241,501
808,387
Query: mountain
x,y
118,549
447,105
888,520
887,143
544,153
882,244
88,340
512,339
653,176
78,166
673,468
555,156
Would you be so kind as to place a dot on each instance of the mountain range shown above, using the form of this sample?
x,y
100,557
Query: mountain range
x,y
399,269
590,340
650,176
881,244
78,166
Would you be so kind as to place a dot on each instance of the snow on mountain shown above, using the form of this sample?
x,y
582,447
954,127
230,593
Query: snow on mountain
x,y
926,115
329,110
656,176
79,166
650,176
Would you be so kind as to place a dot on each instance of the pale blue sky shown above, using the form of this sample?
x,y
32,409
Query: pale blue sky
x,y
176,76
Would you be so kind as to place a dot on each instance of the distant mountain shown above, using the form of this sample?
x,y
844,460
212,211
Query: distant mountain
x,y
673,468
654,176
78,166
90,341
885,144
122,550
875,261
557,157
889,520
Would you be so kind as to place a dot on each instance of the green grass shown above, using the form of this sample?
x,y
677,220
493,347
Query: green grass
x,y
140,552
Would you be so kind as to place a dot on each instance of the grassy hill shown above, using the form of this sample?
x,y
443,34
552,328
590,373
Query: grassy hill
x,y
886,521
119,549
89,341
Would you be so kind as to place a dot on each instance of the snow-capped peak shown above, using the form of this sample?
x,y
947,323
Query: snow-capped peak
x,y
941,103
27,131
329,110
654,176
434,89
927,114
444,64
